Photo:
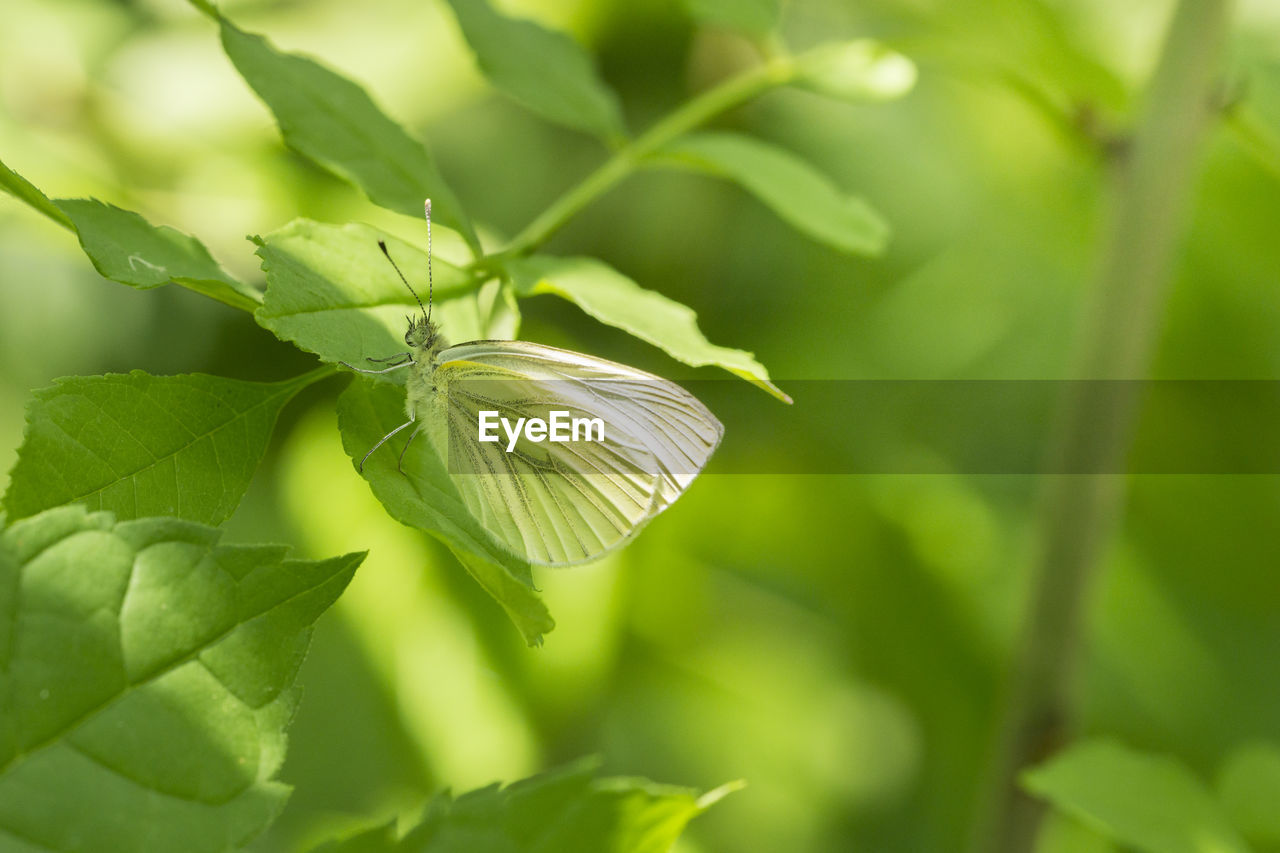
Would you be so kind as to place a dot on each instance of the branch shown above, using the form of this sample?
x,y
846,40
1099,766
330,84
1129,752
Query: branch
x,y
777,71
1079,512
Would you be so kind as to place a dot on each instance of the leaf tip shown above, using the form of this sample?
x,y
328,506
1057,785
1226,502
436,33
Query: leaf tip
x,y
763,383
715,795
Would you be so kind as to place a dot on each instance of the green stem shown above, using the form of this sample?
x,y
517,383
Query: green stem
x,y
25,191
1081,506
778,71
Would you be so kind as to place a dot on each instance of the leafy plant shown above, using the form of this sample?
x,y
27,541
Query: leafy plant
x,y
148,669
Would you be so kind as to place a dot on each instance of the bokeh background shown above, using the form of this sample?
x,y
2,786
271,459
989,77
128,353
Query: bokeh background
x,y
839,642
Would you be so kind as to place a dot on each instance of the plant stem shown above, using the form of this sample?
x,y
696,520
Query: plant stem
x,y
777,71
1079,510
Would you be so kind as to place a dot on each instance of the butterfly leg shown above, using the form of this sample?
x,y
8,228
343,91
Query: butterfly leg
x,y
400,461
383,441
407,356
384,370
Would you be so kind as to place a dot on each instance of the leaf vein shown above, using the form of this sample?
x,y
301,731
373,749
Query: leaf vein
x,y
169,455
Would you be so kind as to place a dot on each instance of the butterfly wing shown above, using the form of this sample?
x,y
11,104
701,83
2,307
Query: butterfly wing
x,y
566,503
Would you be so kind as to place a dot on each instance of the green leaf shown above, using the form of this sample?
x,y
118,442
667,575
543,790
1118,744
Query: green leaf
x,y
543,70
1148,802
139,445
752,16
22,189
565,809
147,681
1249,788
860,70
128,249
331,292
1061,833
616,300
795,191
379,839
333,122
492,314
424,497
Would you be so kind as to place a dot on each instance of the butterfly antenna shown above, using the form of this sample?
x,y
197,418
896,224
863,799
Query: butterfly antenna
x,y
430,283
383,246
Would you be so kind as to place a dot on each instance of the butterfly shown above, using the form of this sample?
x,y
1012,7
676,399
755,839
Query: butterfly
x,y
554,503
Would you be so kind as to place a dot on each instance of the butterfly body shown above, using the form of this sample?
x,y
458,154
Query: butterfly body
x,y
425,343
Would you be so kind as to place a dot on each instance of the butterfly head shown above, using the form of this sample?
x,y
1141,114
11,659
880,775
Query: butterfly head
x,y
422,334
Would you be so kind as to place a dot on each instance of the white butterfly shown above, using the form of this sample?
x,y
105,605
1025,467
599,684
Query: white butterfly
x,y
555,504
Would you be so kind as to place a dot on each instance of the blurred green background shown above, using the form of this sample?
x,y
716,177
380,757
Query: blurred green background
x,y
837,641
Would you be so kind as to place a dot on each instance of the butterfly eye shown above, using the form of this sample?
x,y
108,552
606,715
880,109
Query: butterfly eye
x,y
406,338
